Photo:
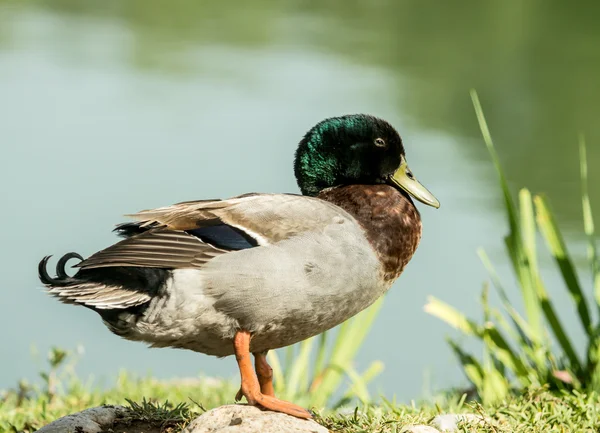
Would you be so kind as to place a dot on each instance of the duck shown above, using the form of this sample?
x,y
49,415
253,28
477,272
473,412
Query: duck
x,y
261,271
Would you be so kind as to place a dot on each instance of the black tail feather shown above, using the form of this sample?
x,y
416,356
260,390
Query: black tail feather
x,y
62,278
126,230
60,266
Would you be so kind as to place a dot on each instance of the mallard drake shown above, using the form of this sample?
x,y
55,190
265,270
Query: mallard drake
x,y
262,271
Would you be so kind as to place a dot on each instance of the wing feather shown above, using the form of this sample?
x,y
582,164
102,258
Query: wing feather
x,y
159,248
267,218
174,235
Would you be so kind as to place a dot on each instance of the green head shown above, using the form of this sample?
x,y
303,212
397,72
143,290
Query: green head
x,y
355,149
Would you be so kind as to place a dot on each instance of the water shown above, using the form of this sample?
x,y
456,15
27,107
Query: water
x,y
111,107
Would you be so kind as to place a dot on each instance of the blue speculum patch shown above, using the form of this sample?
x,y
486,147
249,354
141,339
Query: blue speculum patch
x,y
224,236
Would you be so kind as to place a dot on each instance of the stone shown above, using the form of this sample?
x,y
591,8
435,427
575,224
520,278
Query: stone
x,y
420,429
449,422
94,420
249,419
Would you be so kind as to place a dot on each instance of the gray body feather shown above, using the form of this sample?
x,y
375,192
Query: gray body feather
x,y
313,270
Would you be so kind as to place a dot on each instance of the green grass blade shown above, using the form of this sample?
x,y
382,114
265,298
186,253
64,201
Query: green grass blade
x,y
290,353
588,222
509,328
513,241
331,377
558,249
321,354
487,138
349,339
320,363
520,265
278,377
559,331
531,281
451,316
521,268
300,368
358,387
373,371
594,358
495,345
470,365
494,386
529,356
492,336
505,354
528,229
524,329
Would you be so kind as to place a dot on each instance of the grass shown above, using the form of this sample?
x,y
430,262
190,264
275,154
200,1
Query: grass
x,y
167,406
534,412
534,348
175,403
28,408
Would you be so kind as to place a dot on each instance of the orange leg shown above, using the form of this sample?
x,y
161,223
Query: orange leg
x,y
251,388
264,373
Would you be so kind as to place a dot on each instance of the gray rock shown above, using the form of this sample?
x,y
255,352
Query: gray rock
x,y
92,420
449,422
248,419
420,429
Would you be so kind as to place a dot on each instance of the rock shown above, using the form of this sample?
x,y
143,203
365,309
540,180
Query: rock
x,y
420,429
449,422
93,420
249,419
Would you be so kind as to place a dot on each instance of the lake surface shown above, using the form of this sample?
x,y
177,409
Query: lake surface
x,y
110,107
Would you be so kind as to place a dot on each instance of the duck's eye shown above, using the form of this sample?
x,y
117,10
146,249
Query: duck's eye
x,y
379,142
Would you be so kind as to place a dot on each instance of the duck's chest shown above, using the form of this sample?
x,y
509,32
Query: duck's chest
x,y
391,222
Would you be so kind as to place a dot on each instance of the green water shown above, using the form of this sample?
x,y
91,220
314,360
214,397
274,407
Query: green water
x,y
109,107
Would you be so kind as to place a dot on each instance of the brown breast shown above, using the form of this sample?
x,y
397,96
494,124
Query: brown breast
x,y
388,216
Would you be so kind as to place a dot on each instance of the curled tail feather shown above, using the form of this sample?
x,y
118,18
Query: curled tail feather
x,y
62,278
86,288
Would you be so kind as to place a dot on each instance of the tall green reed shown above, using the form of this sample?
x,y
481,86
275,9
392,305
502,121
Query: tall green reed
x,y
530,350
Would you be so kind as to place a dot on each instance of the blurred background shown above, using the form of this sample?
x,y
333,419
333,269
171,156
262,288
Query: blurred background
x,y
108,107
